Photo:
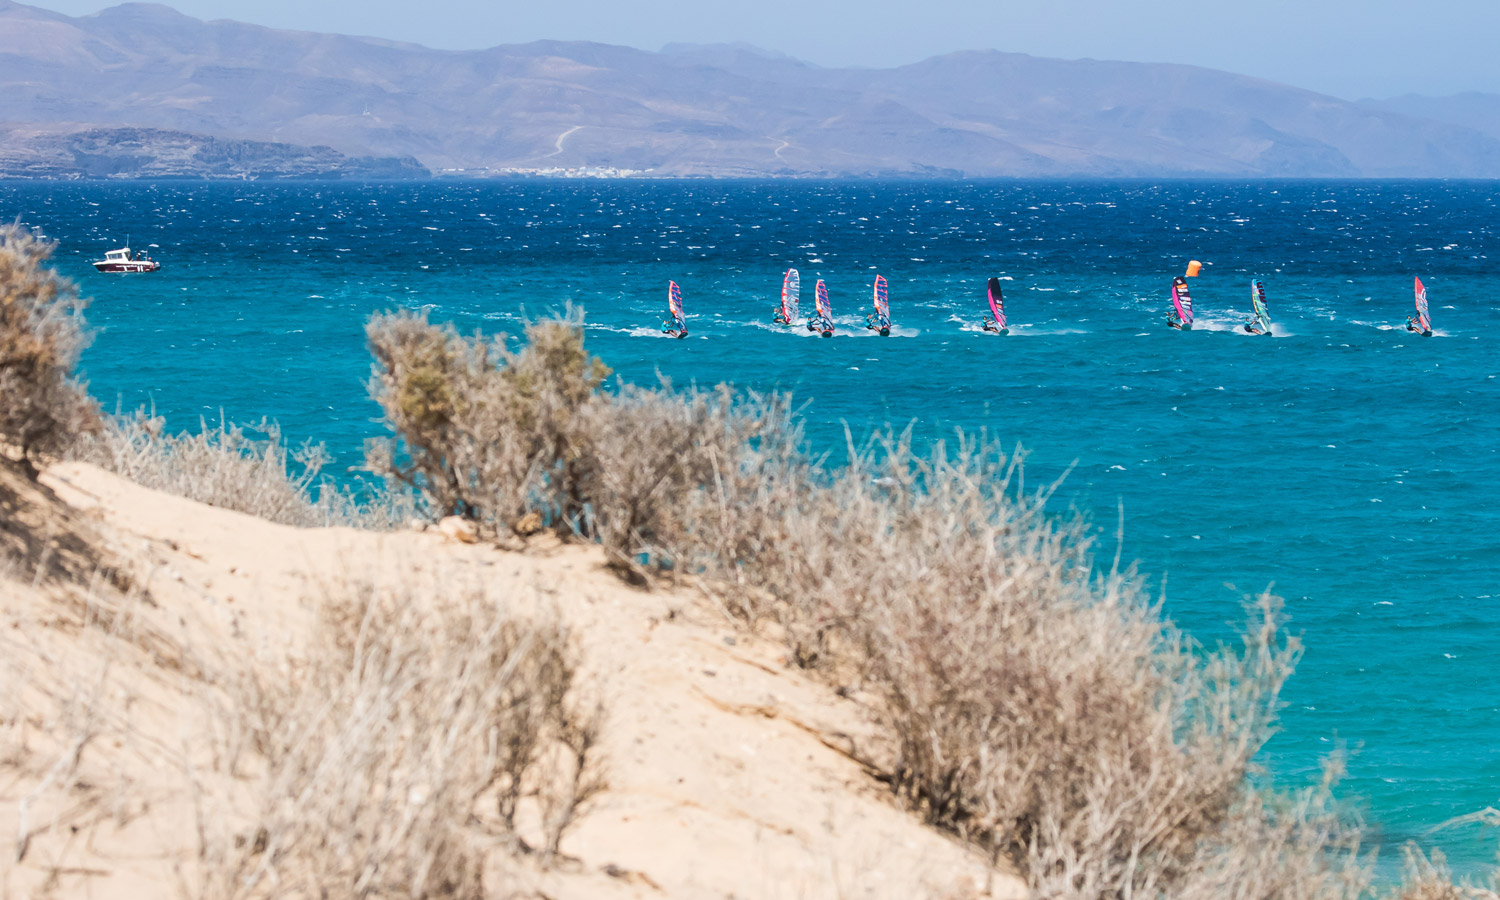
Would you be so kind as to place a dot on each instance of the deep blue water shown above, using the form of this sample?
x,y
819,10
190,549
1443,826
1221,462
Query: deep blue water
x,y
1342,461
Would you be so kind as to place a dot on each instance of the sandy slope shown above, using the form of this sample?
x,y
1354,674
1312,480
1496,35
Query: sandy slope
x,y
728,774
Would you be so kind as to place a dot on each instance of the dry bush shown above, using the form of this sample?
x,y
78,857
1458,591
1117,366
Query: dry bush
x,y
686,480
227,466
400,752
1037,707
1430,878
674,479
41,336
484,431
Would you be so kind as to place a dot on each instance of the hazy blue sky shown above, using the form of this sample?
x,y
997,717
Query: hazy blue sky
x,y
1349,48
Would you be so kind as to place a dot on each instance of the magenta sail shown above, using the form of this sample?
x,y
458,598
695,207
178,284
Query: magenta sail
x,y
1183,302
997,302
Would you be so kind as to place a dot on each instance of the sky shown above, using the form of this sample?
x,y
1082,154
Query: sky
x,y
1351,49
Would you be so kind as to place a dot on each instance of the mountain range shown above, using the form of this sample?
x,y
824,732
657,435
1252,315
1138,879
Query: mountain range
x,y
145,70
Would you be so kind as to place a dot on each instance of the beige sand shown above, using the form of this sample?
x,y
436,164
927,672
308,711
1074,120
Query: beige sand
x,y
728,773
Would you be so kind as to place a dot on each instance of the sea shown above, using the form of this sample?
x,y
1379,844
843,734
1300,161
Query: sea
x,y
1342,462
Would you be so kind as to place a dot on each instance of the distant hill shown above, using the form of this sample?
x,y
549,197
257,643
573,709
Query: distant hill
x,y
725,110
156,153
1474,110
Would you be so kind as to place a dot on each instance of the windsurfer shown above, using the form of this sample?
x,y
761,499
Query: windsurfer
x,y
1252,325
780,318
989,325
1180,316
674,328
1413,325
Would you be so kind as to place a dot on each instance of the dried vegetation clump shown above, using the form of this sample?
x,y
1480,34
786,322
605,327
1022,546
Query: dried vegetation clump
x,y
403,751
510,436
41,336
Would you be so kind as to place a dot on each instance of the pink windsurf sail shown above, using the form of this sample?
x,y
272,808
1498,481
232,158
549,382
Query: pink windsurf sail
x,y
1182,300
1424,323
997,302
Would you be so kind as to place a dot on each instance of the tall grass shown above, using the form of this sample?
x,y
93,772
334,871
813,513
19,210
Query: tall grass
x,y
247,469
1033,704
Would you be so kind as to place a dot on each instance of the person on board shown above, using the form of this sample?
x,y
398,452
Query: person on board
x,y
780,318
991,326
1252,325
1413,325
674,328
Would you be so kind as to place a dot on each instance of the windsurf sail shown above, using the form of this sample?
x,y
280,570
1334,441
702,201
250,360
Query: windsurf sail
x,y
1423,322
791,288
882,303
825,309
1258,304
1182,300
997,302
674,304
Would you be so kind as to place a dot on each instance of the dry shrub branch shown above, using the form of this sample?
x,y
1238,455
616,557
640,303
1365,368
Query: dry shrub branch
x,y
41,335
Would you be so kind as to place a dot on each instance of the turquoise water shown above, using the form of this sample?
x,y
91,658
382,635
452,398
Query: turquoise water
x,y
1343,461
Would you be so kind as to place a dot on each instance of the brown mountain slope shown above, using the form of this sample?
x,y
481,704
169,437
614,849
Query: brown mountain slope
x,y
694,111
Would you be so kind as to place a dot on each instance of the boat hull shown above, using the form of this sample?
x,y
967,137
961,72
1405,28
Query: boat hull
x,y
133,266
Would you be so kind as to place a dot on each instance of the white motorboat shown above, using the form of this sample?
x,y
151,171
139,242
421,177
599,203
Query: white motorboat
x,y
121,260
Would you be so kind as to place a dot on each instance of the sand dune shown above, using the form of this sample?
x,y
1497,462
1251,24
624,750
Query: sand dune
x,y
728,774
